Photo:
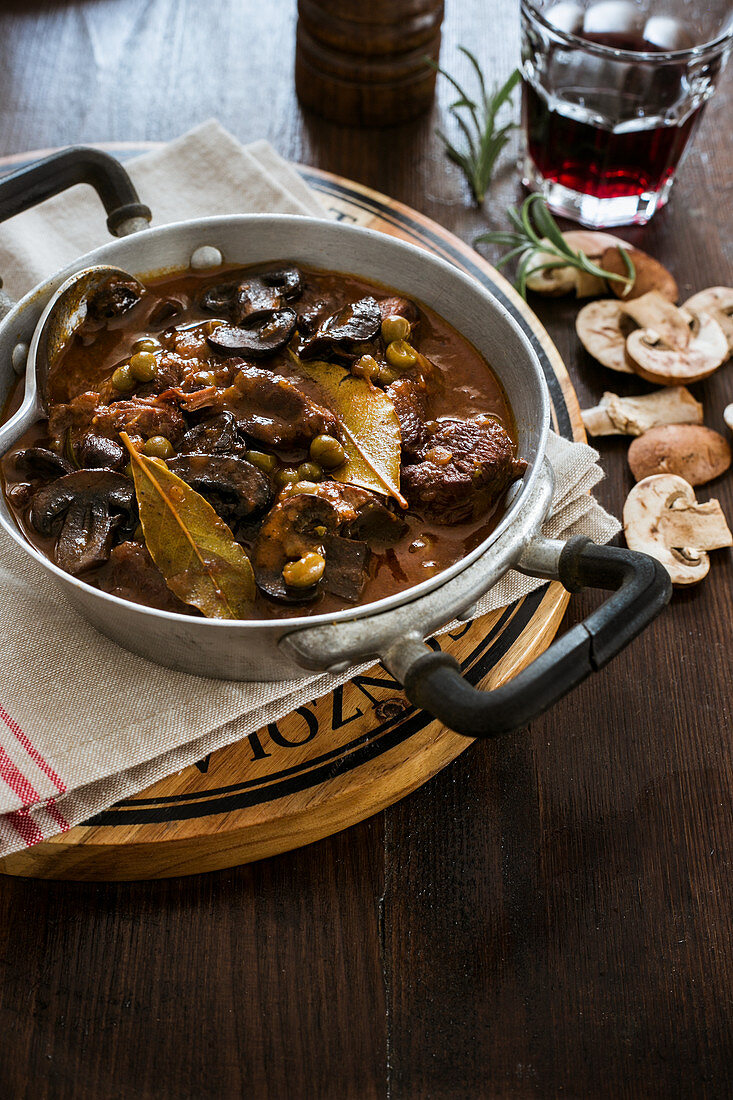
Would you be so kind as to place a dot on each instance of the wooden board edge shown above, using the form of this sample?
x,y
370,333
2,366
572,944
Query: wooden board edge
x,y
65,858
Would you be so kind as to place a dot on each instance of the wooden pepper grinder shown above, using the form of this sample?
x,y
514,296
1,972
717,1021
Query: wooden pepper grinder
x,y
362,62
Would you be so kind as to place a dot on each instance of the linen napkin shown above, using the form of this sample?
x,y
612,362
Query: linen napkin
x,y
83,722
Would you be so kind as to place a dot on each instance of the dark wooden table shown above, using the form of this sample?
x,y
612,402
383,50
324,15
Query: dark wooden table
x,y
549,916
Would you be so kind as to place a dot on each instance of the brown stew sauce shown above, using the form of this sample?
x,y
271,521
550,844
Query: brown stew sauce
x,y
461,387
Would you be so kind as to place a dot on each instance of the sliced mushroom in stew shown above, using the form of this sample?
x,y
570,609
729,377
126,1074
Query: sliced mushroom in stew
x,y
348,439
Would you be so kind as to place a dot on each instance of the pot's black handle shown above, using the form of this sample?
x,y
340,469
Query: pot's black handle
x,y
642,587
30,185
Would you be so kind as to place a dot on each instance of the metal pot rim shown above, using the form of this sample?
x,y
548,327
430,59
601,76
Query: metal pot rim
x,y
107,252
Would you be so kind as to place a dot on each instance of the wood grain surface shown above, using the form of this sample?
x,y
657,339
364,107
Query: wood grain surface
x,y
550,915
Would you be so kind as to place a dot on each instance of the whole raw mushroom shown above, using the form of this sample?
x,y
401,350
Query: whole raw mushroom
x,y
694,452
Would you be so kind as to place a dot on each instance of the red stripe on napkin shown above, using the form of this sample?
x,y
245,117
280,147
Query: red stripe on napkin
x,y
31,749
17,782
25,827
54,812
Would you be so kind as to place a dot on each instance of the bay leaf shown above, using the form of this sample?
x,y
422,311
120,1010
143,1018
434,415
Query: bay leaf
x,y
190,544
372,438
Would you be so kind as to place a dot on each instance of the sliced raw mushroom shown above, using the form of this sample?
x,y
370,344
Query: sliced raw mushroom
x,y
696,453
654,360
602,329
649,274
255,343
85,509
356,323
41,464
556,281
551,282
234,488
654,312
635,415
662,518
718,302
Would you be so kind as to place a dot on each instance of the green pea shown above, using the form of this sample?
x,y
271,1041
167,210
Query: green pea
x,y
395,327
123,379
327,451
146,343
285,477
143,366
387,376
266,463
400,355
158,447
304,572
310,471
366,366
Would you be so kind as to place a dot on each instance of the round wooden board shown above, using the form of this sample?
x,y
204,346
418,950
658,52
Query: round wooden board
x,y
347,755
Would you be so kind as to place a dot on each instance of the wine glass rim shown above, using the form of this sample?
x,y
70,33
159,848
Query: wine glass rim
x,y
724,37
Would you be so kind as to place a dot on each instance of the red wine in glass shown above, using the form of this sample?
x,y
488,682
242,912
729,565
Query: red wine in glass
x,y
605,129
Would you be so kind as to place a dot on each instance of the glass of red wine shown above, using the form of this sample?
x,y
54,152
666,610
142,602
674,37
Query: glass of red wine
x,y
613,92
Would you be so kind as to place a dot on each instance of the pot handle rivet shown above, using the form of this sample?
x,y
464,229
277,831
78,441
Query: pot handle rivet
x,y
205,257
19,357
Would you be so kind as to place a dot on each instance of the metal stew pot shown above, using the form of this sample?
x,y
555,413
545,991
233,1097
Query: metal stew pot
x,y
390,629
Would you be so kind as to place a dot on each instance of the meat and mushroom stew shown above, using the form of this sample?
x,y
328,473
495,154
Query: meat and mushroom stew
x,y
261,443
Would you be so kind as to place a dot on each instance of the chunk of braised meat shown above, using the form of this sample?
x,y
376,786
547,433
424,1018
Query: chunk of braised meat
x,y
410,396
234,488
464,469
72,420
216,435
132,575
142,416
268,408
344,332
86,510
399,307
69,423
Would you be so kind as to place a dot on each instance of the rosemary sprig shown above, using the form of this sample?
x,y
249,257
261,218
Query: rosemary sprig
x,y
528,241
483,141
